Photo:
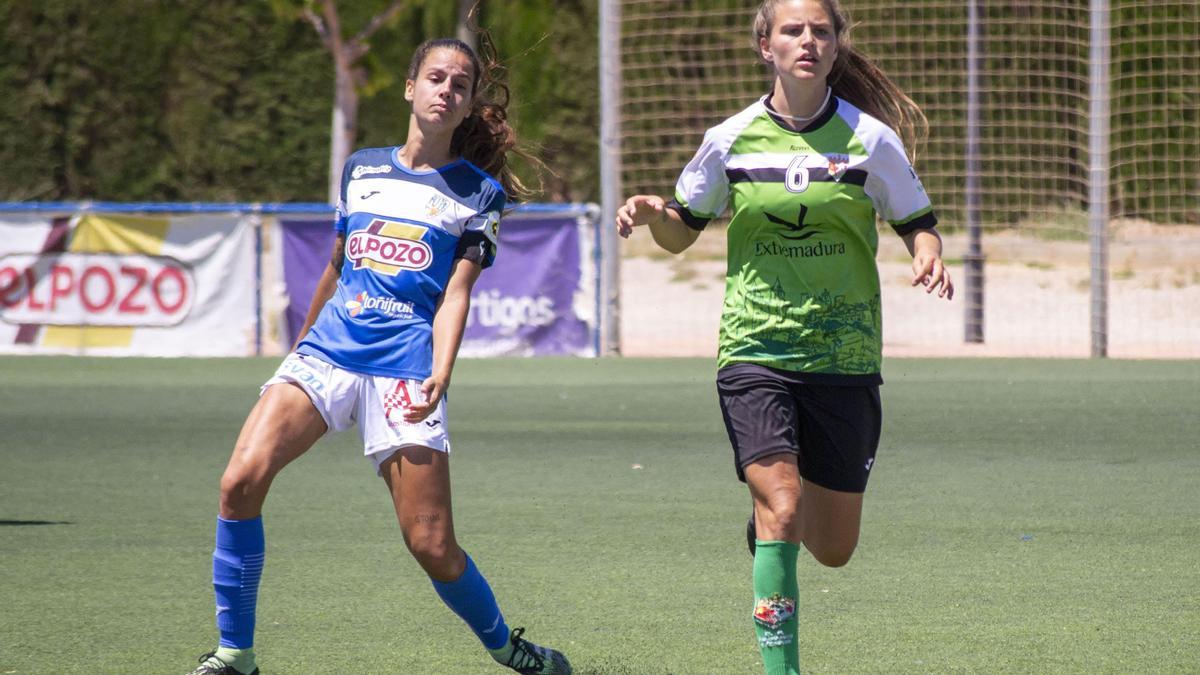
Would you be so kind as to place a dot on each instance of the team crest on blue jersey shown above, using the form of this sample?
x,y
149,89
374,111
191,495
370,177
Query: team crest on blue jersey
x,y
771,612
436,205
389,247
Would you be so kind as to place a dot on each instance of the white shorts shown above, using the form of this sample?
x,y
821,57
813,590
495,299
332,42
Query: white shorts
x,y
375,402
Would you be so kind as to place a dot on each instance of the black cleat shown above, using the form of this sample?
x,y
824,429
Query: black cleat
x,y
211,665
530,659
751,533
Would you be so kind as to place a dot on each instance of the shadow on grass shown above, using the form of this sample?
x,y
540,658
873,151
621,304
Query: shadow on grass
x,y
34,522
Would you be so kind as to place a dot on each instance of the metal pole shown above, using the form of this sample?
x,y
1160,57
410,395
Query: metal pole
x,y
973,260
256,222
591,220
463,31
1098,175
338,152
610,172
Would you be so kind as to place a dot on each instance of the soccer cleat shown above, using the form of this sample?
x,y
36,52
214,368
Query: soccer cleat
x,y
751,533
211,665
529,659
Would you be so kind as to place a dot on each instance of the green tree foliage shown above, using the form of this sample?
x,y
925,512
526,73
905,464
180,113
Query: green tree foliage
x,y
213,100
137,100
220,100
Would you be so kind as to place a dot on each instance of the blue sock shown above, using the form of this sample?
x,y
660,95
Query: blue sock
x,y
237,567
471,598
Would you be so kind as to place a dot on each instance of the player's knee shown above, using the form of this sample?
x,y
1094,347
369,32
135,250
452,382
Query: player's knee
x,y
437,555
243,487
782,517
785,511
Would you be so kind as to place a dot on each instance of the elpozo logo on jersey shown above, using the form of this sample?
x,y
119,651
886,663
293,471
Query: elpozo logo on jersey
x,y
392,248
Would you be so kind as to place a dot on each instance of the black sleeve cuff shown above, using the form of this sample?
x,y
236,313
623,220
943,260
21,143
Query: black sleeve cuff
x,y
692,221
925,222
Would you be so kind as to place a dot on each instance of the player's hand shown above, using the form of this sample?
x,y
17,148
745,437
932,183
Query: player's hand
x,y
929,271
639,210
432,389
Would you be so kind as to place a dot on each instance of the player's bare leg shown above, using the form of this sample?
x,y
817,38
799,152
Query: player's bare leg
x,y
419,480
830,523
788,512
282,425
786,508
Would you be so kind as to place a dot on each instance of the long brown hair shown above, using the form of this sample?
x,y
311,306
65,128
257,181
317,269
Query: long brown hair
x,y
858,80
484,137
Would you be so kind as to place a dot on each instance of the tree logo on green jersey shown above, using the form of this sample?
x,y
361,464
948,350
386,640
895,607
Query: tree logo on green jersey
x,y
794,231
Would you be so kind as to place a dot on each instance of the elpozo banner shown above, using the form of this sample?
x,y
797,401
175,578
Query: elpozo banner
x,y
113,279
128,285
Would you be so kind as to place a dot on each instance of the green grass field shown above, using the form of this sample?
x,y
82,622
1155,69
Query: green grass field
x,y
1024,517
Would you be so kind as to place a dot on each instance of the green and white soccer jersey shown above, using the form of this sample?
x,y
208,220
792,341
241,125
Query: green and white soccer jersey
x,y
802,288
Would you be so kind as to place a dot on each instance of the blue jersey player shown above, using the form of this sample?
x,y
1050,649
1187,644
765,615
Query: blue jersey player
x,y
415,226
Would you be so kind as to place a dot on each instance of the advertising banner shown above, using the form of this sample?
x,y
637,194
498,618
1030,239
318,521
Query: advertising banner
x,y
111,279
538,299
128,285
307,246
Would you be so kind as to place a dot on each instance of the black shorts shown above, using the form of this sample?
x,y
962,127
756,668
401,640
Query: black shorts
x,y
832,429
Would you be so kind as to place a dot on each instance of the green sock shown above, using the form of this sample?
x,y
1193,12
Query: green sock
x,y
242,660
775,591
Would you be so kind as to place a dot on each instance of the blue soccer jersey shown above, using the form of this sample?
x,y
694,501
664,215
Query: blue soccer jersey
x,y
404,230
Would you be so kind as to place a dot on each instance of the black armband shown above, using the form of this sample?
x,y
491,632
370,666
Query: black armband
x,y
925,222
476,247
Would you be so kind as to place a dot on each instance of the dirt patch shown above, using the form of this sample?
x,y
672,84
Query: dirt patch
x,y
1037,299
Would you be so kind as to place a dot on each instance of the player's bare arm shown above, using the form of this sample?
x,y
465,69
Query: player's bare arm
x,y
667,228
925,245
448,325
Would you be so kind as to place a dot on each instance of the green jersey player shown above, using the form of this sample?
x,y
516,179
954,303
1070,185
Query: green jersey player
x,y
803,172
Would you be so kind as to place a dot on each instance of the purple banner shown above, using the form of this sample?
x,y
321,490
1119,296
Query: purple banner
x,y
537,300
307,248
525,304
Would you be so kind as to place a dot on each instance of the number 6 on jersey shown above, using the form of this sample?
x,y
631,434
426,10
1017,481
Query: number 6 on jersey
x,y
797,176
